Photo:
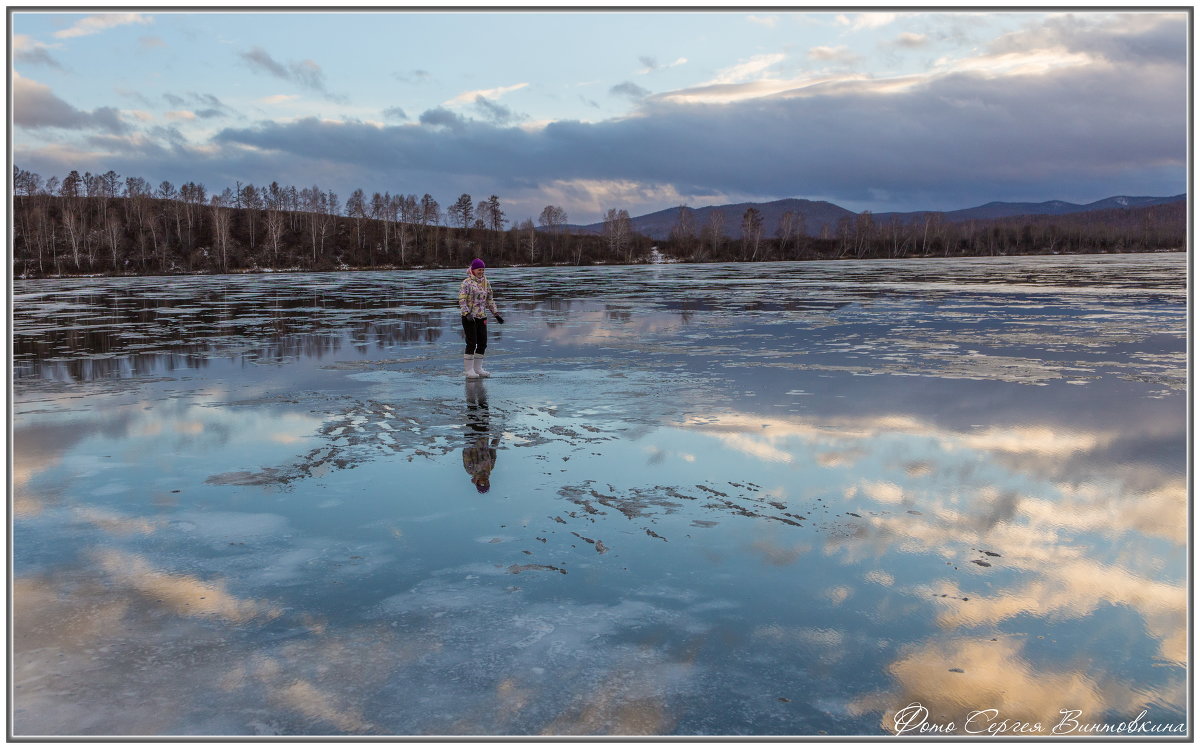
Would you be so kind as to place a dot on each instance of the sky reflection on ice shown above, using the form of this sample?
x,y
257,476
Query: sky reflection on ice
x,y
724,500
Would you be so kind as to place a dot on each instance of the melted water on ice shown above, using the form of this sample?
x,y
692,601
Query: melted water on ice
x,y
770,499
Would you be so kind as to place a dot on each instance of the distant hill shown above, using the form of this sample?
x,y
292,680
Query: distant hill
x,y
1049,208
817,214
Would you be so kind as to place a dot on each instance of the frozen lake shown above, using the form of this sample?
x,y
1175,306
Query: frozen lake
x,y
769,499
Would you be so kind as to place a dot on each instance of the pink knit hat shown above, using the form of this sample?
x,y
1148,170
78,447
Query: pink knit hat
x,y
477,263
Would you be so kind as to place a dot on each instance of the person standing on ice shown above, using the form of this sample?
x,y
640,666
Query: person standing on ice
x,y
474,301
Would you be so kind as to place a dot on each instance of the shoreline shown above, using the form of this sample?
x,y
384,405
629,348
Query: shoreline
x,y
667,261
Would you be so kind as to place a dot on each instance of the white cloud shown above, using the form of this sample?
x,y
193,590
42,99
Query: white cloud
x,y
867,20
650,65
910,39
181,114
96,24
1029,62
469,97
747,69
768,21
278,98
833,54
26,43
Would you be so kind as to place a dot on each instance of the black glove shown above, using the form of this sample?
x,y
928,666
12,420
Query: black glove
x,y
499,319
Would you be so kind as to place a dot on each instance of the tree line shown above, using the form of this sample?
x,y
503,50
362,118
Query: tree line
x,y
106,224
103,224
1139,229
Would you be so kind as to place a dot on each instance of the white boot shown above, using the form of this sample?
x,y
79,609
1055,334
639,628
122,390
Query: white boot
x,y
479,370
469,367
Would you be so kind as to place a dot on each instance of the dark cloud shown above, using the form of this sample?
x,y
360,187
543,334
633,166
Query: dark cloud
x,y
949,143
494,112
36,56
1129,39
632,90
35,106
439,116
650,63
204,106
306,73
208,100
395,113
260,60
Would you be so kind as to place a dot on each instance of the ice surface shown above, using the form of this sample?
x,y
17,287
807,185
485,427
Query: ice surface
x,y
770,499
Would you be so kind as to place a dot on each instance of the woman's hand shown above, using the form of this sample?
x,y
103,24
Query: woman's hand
x,y
499,319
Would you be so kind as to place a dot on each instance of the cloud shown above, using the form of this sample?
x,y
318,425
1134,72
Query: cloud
x,y
35,106
102,22
441,117
911,40
414,76
651,65
998,675
768,21
28,50
984,130
747,68
472,97
278,98
1039,112
1123,39
305,73
862,21
185,595
834,54
137,96
394,113
151,42
195,105
496,113
632,90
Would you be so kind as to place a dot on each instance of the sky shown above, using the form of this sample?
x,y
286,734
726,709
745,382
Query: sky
x,y
881,110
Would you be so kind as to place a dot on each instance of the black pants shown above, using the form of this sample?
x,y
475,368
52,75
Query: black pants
x,y
476,331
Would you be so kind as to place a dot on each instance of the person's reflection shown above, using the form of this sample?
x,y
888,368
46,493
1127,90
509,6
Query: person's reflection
x,y
479,453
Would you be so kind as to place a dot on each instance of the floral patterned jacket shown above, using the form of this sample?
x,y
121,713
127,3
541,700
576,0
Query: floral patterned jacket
x,y
475,297
479,458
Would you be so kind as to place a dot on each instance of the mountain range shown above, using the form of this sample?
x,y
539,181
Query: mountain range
x,y
819,213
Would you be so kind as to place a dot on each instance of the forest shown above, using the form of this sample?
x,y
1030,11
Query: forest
x,y
103,224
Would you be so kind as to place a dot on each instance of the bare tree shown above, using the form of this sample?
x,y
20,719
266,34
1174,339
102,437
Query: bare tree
x,y
220,218
752,229
252,202
275,224
683,233
553,218
714,231
530,238
356,209
617,232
